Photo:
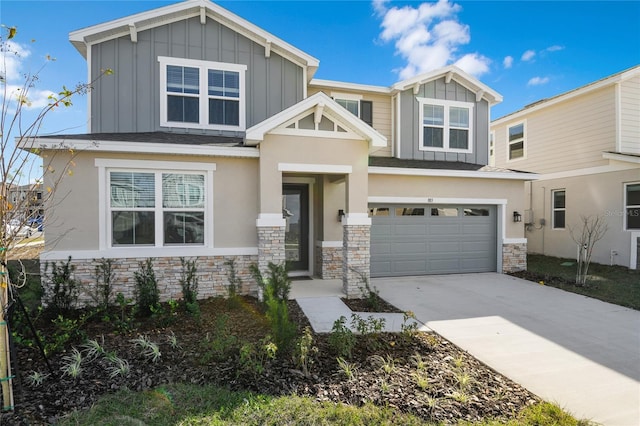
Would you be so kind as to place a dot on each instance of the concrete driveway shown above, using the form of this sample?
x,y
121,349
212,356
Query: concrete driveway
x,y
579,352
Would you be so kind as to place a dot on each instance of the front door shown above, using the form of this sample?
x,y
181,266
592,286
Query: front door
x,y
295,208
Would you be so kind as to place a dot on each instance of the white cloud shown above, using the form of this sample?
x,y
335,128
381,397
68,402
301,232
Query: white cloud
x,y
34,98
554,48
507,62
12,55
538,81
428,37
528,55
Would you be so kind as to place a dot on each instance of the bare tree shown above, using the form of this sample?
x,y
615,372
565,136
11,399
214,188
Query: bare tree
x,y
23,169
588,233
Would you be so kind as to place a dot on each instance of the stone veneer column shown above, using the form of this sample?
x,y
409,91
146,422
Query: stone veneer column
x,y
514,257
271,230
355,254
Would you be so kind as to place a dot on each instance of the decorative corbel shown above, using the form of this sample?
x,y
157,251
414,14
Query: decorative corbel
x,y
203,15
267,49
479,95
448,77
317,117
416,88
133,32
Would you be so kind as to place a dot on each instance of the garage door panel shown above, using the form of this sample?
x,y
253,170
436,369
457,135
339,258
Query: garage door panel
x,y
417,245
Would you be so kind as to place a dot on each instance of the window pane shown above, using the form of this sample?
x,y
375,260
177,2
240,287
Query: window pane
x,y
182,191
516,132
433,137
633,194
183,109
459,117
409,211
132,190
183,79
558,218
444,211
379,211
351,105
559,200
476,212
224,83
434,115
458,139
633,218
225,112
184,228
366,112
516,150
133,228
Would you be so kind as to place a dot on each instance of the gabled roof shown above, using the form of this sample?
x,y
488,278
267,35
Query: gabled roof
x,y
321,105
452,72
131,25
544,103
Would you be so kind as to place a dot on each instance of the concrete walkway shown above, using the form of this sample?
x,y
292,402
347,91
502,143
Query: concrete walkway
x,y
579,352
321,304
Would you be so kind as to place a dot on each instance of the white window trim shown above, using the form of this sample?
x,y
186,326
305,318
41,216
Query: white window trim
x,y
203,96
524,141
348,97
625,207
445,144
554,209
105,166
492,147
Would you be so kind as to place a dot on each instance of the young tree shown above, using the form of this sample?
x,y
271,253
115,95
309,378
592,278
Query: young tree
x,y
590,231
23,170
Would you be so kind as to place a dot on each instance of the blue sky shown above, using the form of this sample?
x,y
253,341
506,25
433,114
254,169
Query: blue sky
x,y
526,51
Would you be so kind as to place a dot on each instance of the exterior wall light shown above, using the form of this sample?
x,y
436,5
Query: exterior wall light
x,y
340,215
517,217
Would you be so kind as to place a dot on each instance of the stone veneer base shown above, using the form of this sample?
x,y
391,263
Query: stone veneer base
x,y
514,257
356,258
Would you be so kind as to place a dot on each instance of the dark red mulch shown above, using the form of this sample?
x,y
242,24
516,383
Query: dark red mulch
x,y
487,393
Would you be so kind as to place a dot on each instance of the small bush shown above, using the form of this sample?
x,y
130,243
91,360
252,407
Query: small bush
x,y
341,339
104,276
235,283
189,281
63,296
146,292
304,355
223,343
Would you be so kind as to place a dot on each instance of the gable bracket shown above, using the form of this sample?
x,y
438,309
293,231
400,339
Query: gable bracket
x,y
479,95
448,77
203,15
318,113
416,88
267,48
133,32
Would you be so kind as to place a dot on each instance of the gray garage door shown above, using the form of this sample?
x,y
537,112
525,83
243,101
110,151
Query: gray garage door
x,y
432,239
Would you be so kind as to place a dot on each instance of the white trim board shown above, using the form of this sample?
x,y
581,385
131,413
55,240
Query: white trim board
x,y
436,200
588,171
314,168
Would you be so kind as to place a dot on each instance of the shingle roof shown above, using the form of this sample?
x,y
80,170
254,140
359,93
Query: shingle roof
x,y
429,164
154,137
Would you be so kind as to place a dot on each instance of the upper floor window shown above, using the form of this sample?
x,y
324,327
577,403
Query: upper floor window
x,y
516,139
446,125
559,207
632,205
202,94
356,106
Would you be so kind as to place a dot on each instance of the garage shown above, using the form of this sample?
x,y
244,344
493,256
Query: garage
x,y
432,239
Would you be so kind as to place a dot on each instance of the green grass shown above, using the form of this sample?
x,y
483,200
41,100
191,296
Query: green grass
x,y
614,284
210,405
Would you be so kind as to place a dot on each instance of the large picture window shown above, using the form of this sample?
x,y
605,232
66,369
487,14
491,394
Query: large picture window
x,y
202,94
632,205
156,208
446,125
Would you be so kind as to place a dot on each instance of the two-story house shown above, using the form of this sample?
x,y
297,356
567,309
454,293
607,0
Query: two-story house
x,y
585,146
212,139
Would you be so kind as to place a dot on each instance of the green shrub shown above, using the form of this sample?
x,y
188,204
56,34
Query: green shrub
x,y
62,297
341,339
304,355
235,283
147,294
223,343
104,276
189,281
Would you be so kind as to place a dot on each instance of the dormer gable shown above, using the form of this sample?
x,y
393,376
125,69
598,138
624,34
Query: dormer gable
x,y
316,116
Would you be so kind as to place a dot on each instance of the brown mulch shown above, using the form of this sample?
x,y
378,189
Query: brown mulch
x,y
485,394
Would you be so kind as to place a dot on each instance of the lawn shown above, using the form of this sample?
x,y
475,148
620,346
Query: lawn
x,y
613,284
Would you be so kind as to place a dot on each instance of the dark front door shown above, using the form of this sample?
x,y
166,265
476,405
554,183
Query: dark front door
x,y
296,237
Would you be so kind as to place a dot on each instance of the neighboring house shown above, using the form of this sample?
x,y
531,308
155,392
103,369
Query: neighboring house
x,y
28,200
213,140
585,145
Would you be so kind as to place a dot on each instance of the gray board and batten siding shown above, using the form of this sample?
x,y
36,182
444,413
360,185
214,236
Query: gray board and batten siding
x,y
411,126
128,100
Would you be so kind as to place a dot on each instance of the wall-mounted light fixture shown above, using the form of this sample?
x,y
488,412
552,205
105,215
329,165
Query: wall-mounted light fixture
x,y
517,217
340,215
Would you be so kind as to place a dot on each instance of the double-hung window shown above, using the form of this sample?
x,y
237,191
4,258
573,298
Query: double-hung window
x,y
632,205
516,141
446,125
202,94
559,207
356,106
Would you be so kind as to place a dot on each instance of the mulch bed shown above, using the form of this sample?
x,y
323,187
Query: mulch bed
x,y
458,386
